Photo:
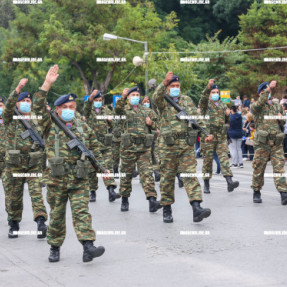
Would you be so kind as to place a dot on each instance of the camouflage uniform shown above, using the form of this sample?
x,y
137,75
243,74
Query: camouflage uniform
x,y
2,157
116,144
60,189
100,128
180,155
135,126
218,128
272,149
14,186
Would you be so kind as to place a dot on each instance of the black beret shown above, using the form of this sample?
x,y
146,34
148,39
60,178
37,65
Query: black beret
x,y
262,86
98,95
65,99
213,87
2,100
23,96
134,89
174,79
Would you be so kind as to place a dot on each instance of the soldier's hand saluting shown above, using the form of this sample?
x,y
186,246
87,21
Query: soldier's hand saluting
x,y
51,78
168,78
91,97
21,85
125,92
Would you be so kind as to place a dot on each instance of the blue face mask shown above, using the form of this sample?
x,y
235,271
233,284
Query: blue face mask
x,y
98,105
147,105
1,111
269,96
67,115
25,107
174,92
215,97
239,113
135,100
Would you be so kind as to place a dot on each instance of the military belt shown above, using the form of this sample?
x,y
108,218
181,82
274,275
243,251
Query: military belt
x,y
138,140
180,136
101,139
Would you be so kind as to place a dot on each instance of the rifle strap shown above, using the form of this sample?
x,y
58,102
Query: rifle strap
x,y
57,129
15,136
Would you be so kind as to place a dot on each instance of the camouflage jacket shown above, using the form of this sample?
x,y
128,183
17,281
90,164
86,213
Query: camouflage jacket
x,y
100,126
261,110
134,123
14,128
168,119
216,113
50,130
2,136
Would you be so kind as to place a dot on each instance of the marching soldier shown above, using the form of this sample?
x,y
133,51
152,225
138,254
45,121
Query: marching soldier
x,y
218,113
67,173
23,156
177,149
268,142
2,148
95,113
136,142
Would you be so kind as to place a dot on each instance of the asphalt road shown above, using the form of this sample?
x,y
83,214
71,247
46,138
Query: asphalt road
x,y
230,248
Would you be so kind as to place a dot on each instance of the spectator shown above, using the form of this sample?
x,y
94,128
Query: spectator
x,y
246,102
235,134
250,141
246,129
285,132
237,101
284,99
215,157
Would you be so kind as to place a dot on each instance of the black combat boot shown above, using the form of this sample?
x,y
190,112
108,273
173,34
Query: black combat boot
x,y
156,176
154,205
125,204
231,185
112,194
180,182
206,186
167,214
257,196
54,254
91,251
116,171
198,212
93,196
135,173
14,228
42,227
283,198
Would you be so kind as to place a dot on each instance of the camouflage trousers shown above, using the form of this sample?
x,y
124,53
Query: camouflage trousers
x,y
219,144
179,156
2,175
262,154
93,179
155,155
14,188
116,154
77,191
144,163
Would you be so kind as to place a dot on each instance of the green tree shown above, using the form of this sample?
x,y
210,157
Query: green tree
x,y
263,26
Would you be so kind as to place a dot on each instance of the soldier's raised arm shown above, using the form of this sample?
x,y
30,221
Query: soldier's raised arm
x,y
40,100
120,105
158,96
264,91
204,99
88,104
12,100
